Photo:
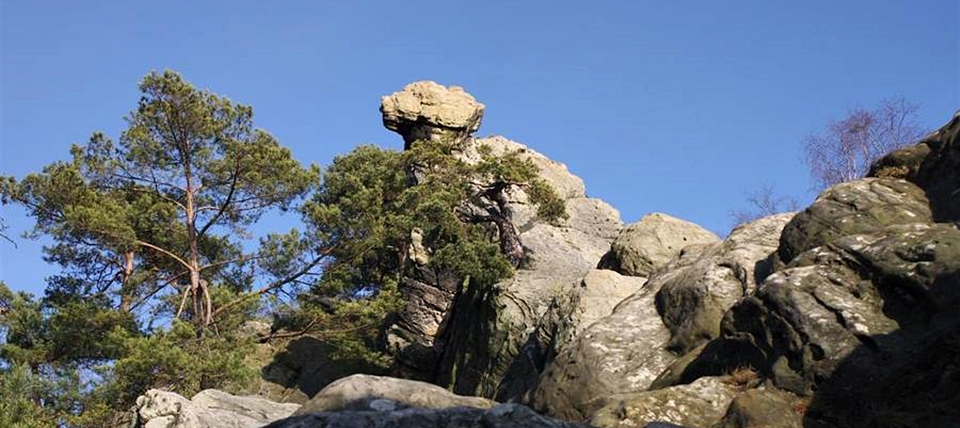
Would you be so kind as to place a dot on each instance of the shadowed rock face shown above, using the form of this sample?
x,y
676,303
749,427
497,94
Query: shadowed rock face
x,y
934,165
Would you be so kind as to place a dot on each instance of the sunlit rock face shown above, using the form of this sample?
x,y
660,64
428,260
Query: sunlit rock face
x,y
208,409
429,111
650,243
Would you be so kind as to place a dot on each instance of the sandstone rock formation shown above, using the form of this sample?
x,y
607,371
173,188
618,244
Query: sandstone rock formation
x,y
469,339
678,308
854,207
357,391
621,353
934,165
862,323
650,243
208,409
429,111
693,298
700,404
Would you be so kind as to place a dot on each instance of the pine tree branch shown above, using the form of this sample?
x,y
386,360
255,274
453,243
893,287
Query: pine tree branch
x,y
278,283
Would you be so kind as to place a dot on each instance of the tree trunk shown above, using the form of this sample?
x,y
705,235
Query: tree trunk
x,y
198,288
510,244
127,293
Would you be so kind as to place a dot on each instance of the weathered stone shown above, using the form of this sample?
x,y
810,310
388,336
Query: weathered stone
x,y
621,353
764,408
851,208
650,243
692,299
208,409
501,416
934,165
429,111
357,391
861,302
700,404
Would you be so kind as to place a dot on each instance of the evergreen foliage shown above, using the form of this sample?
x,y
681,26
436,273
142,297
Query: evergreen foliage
x,y
155,283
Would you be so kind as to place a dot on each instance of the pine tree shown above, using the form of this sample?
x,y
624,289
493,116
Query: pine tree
x,y
162,208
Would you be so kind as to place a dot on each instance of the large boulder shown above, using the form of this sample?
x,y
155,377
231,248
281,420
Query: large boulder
x,y
700,404
429,111
357,391
934,165
650,243
207,409
764,407
861,323
383,415
620,353
858,206
693,298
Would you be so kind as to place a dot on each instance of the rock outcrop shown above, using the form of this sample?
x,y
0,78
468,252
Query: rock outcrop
x,y
650,243
680,307
469,339
853,207
358,391
621,353
700,404
846,314
208,409
429,111
934,165
862,322
693,298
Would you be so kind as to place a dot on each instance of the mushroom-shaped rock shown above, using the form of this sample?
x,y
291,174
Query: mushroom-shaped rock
x,y
429,111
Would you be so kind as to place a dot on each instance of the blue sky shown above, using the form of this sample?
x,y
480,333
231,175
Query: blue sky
x,y
679,107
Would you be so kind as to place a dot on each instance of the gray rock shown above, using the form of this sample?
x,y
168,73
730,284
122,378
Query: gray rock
x,y
854,207
650,243
621,353
208,409
764,408
864,302
496,342
700,404
502,416
934,165
693,298
429,111
361,392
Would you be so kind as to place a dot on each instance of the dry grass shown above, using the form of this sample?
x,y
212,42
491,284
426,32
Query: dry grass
x,y
743,377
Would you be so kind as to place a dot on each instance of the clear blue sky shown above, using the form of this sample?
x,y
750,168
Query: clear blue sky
x,y
674,106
